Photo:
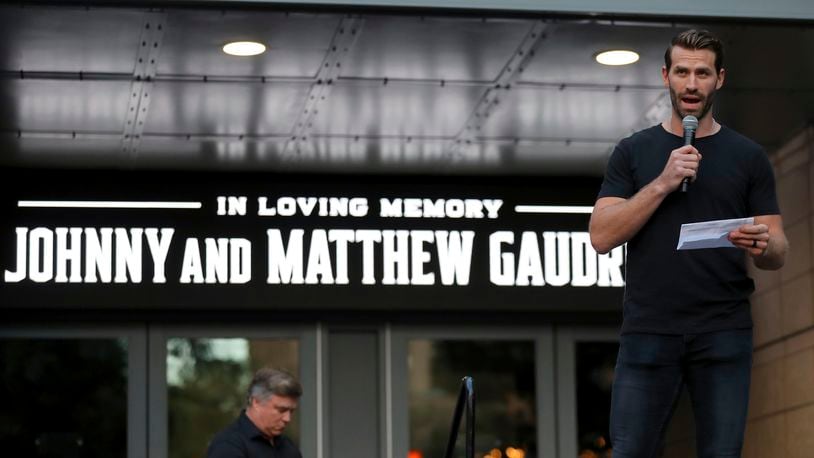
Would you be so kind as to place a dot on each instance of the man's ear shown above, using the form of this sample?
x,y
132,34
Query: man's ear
x,y
721,75
664,74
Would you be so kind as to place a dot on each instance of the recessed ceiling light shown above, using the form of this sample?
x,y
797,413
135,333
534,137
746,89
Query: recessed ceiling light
x,y
244,48
617,57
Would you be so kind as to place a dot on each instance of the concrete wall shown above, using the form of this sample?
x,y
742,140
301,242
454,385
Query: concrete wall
x,y
781,409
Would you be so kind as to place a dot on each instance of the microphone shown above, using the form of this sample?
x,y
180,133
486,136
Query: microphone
x,y
689,123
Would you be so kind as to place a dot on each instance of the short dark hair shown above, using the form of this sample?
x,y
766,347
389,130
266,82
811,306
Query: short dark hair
x,y
696,39
268,381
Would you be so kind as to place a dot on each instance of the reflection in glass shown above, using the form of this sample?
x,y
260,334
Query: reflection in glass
x,y
503,373
595,367
63,398
207,381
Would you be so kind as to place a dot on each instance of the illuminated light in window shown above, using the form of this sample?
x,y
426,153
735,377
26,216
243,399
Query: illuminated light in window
x,y
617,57
415,454
512,452
244,48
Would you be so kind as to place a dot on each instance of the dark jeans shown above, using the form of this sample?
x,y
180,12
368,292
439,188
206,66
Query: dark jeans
x,y
652,370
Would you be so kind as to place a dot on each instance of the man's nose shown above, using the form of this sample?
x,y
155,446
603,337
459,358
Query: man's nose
x,y
692,83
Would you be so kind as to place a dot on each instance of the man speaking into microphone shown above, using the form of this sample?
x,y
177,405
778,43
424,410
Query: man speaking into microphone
x,y
687,320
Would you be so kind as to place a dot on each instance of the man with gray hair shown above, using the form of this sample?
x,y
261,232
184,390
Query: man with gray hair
x,y
271,399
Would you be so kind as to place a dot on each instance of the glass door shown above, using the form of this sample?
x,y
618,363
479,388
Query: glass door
x,y
200,375
513,374
77,391
586,358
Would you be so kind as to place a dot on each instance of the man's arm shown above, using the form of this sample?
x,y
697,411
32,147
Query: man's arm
x,y
615,220
765,241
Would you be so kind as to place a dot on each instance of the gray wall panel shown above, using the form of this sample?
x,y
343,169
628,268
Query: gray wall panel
x,y
353,361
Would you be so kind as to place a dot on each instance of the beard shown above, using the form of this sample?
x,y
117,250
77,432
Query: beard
x,y
706,104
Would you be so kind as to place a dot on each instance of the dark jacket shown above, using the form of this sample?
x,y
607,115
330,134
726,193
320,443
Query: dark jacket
x,y
242,439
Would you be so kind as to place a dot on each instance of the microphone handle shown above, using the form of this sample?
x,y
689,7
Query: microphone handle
x,y
688,139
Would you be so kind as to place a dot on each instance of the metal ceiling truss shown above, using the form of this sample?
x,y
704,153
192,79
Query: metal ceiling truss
x,y
300,140
138,106
490,100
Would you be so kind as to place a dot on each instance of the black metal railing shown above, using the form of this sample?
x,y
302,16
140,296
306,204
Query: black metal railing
x,y
466,401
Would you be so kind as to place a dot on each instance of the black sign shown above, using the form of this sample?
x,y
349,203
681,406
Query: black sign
x,y
142,240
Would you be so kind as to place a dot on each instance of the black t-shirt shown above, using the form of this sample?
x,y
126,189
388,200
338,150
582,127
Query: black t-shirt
x,y
242,439
689,291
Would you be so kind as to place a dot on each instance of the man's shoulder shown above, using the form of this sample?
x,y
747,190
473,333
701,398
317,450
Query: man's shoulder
x,y
645,137
737,139
637,145
228,442
231,431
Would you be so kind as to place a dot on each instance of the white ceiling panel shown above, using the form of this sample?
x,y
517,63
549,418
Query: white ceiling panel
x,y
570,113
222,108
296,44
427,48
70,39
567,55
43,105
401,109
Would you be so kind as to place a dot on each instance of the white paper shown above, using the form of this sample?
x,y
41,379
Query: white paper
x,y
709,234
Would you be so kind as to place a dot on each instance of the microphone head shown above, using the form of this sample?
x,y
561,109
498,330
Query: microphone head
x,y
689,123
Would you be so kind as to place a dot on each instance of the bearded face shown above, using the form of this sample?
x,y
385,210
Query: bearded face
x,y
691,102
692,81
